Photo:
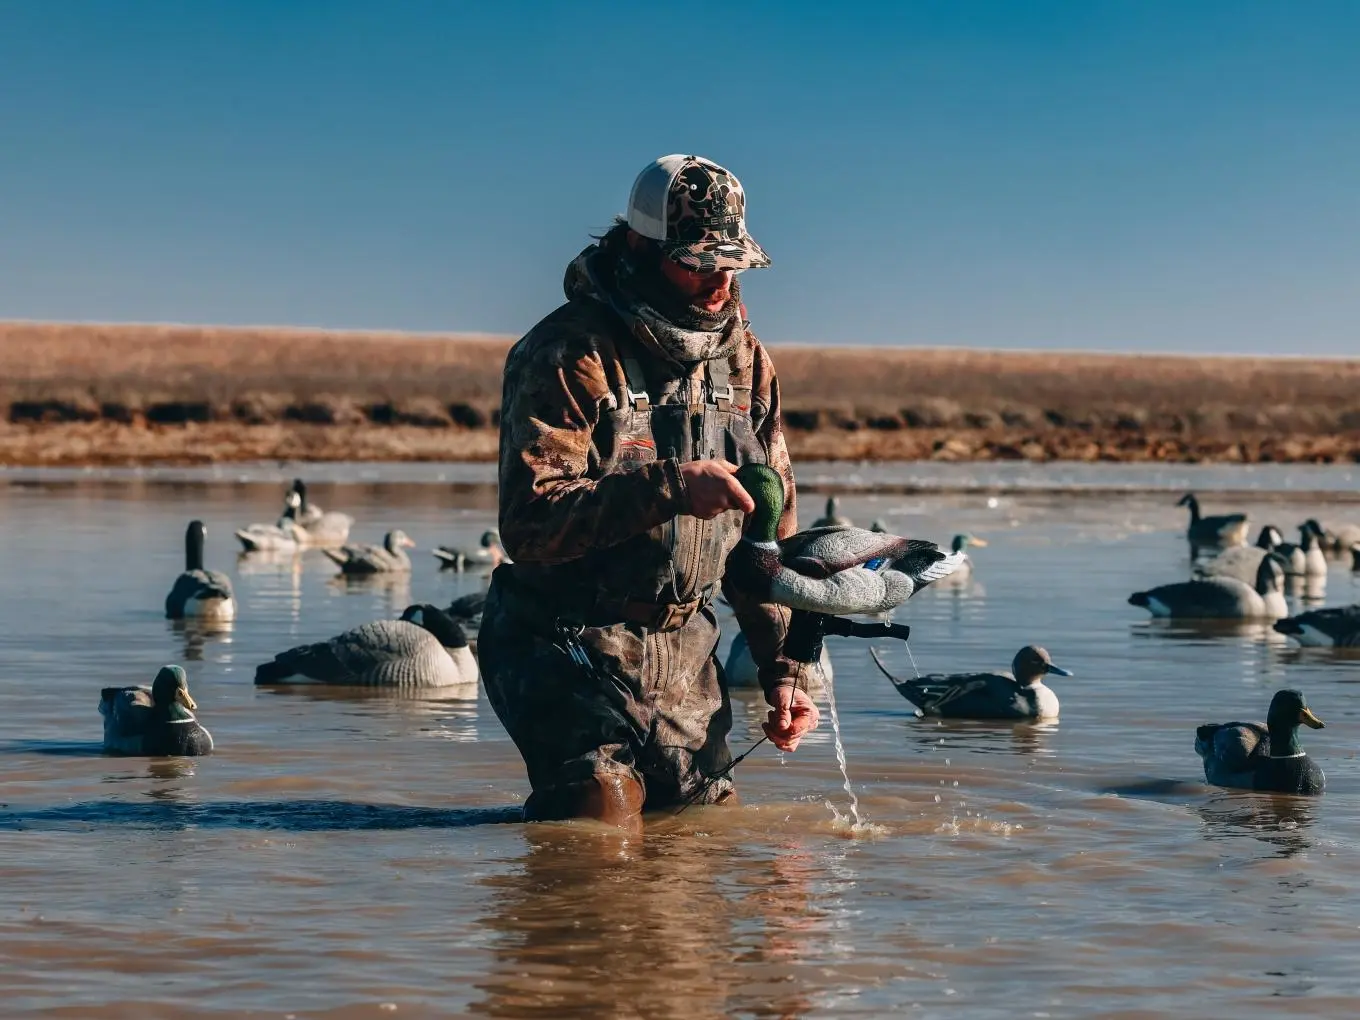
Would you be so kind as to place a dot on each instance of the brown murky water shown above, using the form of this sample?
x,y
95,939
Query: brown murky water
x,y
353,856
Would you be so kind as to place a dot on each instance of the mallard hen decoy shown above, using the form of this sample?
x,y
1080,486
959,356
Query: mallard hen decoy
x,y
1219,598
741,670
833,517
1250,756
1243,562
1019,694
488,555
834,570
1324,628
388,558
199,594
1220,530
425,648
156,720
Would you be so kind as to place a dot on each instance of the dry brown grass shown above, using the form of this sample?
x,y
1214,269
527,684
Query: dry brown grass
x,y
272,389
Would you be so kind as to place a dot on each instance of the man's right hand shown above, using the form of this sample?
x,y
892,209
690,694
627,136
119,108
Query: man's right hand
x,y
712,488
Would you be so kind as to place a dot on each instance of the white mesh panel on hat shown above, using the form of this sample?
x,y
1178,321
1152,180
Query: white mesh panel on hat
x,y
647,203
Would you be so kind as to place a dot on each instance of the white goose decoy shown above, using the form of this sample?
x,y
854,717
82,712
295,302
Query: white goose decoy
x,y
425,648
1219,598
199,594
1243,562
1324,628
741,671
1219,530
1020,694
323,528
488,555
388,558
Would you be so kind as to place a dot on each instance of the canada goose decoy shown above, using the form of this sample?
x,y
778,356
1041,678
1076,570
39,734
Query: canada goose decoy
x,y
388,558
1243,562
1219,598
741,671
425,648
1019,694
466,610
1324,628
832,518
156,720
1220,530
488,555
1306,558
322,528
1250,756
199,594
833,570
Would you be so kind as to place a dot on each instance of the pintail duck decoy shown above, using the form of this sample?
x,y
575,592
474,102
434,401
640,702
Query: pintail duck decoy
x,y
1305,559
1219,598
488,555
741,670
1220,530
388,558
425,648
1252,756
1019,694
1324,628
156,720
834,570
1243,562
199,594
833,517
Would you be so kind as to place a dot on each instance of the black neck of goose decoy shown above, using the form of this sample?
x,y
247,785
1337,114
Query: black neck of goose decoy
x,y
1190,501
193,546
300,487
443,626
1266,539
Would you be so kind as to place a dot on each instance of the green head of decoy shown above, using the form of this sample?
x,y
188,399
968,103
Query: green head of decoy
x,y
1287,712
171,687
1032,663
490,537
766,490
962,542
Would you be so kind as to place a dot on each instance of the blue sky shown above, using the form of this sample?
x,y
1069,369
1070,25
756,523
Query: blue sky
x,y
1141,175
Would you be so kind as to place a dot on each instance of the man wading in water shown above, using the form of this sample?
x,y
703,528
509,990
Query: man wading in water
x,y
624,414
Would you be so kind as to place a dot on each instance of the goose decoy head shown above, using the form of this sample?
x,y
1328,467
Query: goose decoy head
x,y
1288,710
962,542
396,540
1312,527
833,506
1189,500
292,504
1032,663
439,623
194,537
171,686
300,490
1269,538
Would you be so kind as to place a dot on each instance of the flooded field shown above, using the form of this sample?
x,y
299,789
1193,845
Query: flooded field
x,y
350,855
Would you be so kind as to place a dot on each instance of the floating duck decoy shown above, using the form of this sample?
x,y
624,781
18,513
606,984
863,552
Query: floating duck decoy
x,y
741,671
833,518
1324,628
322,527
1220,598
1243,562
835,570
488,555
425,648
1019,694
960,545
1220,530
199,594
1252,756
156,720
302,525
388,558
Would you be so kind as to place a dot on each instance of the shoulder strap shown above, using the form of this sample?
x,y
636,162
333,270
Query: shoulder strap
x,y
720,382
638,398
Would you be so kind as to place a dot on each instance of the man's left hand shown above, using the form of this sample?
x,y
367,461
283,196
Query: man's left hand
x,y
793,714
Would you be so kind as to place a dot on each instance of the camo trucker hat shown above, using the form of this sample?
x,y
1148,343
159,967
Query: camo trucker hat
x,y
696,211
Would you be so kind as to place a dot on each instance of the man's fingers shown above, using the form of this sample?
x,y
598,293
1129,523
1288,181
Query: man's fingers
x,y
741,499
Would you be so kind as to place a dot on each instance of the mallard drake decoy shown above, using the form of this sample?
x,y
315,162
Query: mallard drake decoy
x,y
960,545
388,558
1243,562
156,720
1219,598
833,518
1305,559
199,594
425,648
1019,694
1250,756
741,670
488,555
1220,530
834,570
1324,628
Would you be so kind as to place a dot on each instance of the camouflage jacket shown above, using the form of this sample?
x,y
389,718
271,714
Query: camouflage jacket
x,y
588,501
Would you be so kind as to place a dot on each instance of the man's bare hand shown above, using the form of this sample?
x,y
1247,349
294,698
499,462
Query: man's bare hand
x,y
793,714
713,489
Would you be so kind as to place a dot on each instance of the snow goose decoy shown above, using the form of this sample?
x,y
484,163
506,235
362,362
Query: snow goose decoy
x,y
1219,598
322,528
1220,530
832,518
1324,628
199,594
388,558
1250,756
488,555
1019,694
425,648
156,720
1243,562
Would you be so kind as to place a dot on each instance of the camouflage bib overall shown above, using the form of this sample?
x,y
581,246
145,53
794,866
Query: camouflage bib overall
x,y
643,611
